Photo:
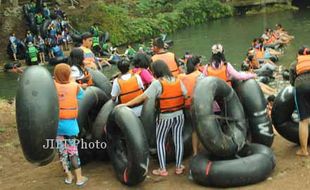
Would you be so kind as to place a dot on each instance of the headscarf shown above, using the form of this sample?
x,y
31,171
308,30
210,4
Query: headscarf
x,y
62,73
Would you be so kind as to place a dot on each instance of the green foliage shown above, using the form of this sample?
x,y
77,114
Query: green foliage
x,y
271,9
132,21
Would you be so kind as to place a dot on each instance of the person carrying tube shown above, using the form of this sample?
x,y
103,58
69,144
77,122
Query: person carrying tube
x,y
89,57
32,53
141,63
170,94
168,57
302,94
190,80
218,67
78,70
127,86
68,95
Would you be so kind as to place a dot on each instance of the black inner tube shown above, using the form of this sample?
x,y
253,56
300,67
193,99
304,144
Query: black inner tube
x,y
221,135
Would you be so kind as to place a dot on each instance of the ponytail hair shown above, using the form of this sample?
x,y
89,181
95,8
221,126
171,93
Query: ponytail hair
x,y
192,63
217,59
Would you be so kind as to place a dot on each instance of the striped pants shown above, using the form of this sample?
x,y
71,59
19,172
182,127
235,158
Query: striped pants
x,y
163,126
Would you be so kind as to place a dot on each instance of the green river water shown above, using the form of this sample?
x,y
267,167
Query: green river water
x,y
235,33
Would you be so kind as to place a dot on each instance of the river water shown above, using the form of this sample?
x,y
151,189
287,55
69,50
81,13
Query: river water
x,y
235,33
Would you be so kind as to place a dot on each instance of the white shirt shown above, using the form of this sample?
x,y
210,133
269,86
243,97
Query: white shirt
x,y
116,90
76,73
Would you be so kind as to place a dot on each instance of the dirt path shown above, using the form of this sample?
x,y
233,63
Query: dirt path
x,y
291,172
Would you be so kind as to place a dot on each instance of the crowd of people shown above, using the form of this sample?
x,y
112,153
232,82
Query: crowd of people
x,y
154,73
43,45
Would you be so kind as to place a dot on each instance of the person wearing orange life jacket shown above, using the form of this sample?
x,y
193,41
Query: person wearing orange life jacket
x,y
78,70
89,57
127,86
168,57
218,67
189,80
170,93
68,94
141,63
302,101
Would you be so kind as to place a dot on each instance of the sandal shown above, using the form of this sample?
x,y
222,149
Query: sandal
x,y
81,183
68,181
180,170
160,172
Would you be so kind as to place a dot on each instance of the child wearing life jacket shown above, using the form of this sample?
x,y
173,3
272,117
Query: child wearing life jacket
x,y
141,63
127,86
170,94
68,129
79,72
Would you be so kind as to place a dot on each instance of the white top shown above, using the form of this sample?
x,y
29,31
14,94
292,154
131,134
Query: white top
x,y
116,91
76,73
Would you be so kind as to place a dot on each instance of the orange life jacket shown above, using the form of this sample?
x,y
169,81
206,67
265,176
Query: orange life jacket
x,y
88,79
303,64
259,53
169,59
68,103
221,72
189,82
254,64
129,89
171,98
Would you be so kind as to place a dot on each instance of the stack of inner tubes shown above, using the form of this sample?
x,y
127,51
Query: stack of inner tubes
x,y
94,98
229,160
283,112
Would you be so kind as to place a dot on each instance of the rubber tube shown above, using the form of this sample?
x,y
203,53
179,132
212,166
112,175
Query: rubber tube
x,y
101,81
127,146
254,105
37,114
56,60
94,98
254,163
221,140
282,110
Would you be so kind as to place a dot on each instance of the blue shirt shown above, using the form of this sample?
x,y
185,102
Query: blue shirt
x,y
57,51
69,127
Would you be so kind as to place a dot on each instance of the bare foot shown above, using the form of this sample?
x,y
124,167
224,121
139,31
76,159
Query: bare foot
x,y
302,153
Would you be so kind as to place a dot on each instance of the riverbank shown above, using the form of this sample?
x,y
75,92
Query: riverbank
x,y
16,173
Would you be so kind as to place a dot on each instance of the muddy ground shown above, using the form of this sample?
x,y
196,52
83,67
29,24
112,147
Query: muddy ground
x,y
291,172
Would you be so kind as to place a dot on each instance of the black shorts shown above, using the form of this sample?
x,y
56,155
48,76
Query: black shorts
x,y
302,95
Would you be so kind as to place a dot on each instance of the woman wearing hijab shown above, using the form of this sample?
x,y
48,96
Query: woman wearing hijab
x,y
68,94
